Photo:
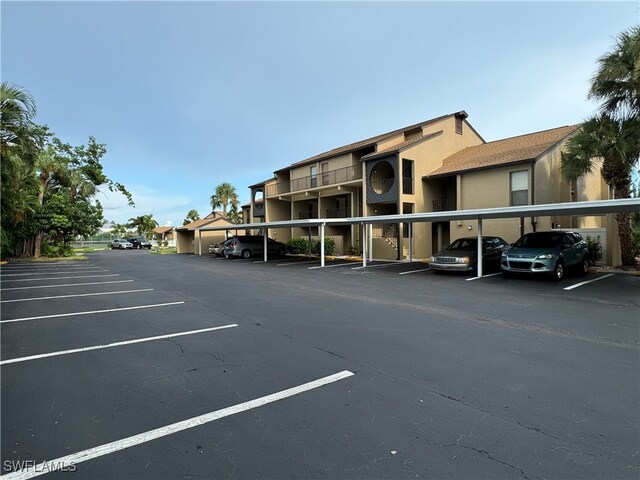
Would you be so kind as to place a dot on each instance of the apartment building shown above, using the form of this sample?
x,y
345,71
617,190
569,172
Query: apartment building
x,y
438,165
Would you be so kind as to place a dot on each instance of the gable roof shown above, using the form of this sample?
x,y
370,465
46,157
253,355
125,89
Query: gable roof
x,y
211,218
401,146
162,230
503,152
370,142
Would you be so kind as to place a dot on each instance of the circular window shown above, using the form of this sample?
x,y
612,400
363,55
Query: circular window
x,y
382,177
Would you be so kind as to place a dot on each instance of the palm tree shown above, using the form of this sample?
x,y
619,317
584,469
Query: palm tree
x,y
144,224
192,216
224,195
617,81
617,143
17,108
614,134
234,216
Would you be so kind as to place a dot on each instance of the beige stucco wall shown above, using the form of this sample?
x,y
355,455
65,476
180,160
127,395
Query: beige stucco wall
x,y
427,156
341,161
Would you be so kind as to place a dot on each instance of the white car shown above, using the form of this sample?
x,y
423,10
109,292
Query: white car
x,y
121,244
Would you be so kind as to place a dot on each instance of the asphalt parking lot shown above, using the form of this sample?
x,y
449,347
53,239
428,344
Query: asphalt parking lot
x,y
133,365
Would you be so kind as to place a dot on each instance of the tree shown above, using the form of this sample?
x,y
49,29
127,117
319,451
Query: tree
x,y
614,134
617,143
48,186
144,224
617,80
225,194
119,229
234,216
192,216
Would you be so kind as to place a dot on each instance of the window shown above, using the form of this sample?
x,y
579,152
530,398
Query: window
x,y
407,176
459,125
314,176
324,166
519,188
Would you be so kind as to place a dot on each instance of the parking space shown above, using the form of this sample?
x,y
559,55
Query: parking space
x,y
185,367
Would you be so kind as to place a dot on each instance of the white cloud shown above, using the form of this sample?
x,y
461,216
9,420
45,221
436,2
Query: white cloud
x,y
165,207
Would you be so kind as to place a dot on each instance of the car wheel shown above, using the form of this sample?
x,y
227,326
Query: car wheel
x,y
558,272
246,254
584,266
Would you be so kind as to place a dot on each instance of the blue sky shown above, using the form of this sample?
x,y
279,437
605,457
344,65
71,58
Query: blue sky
x,y
187,95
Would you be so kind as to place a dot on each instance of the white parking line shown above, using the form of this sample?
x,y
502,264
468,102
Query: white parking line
x,y
588,281
61,278
52,273
332,266
295,263
414,271
116,344
484,276
375,266
44,267
75,458
90,312
77,295
64,285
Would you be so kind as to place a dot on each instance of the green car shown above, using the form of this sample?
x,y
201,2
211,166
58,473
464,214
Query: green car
x,y
546,253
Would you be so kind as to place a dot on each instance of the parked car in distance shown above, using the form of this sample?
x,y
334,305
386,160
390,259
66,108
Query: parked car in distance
x,y
547,253
121,243
139,243
462,254
217,249
246,246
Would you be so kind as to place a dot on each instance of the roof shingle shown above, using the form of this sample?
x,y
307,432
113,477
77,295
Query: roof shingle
x,y
503,152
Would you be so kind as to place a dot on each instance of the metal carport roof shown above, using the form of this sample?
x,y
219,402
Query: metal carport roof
x,y
596,207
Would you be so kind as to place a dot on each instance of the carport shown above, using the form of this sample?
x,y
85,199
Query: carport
x,y
599,207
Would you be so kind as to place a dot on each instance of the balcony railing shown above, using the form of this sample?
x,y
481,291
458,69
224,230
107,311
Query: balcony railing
x,y
331,177
307,215
382,186
339,212
444,205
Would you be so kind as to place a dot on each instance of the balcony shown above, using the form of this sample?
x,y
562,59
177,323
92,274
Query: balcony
x,y
307,215
338,212
323,179
444,205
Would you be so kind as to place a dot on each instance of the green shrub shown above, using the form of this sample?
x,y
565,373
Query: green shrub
x,y
301,245
57,250
635,242
594,249
329,246
298,245
351,250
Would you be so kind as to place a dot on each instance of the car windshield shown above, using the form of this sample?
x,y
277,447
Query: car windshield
x,y
463,244
540,240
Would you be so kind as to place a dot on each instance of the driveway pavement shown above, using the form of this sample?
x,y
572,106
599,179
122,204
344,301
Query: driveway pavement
x,y
133,365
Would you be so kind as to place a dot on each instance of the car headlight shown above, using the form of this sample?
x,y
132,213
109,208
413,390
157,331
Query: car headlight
x,y
463,260
432,259
546,256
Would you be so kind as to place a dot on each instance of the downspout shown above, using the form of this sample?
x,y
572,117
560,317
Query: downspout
x,y
533,192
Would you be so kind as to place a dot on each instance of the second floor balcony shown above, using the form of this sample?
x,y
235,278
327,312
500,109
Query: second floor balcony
x,y
322,179
444,205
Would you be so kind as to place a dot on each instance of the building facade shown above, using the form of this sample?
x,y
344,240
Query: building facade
x,y
441,164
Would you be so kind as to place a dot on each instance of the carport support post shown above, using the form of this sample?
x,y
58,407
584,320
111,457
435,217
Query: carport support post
x,y
479,252
199,243
410,242
322,244
370,238
265,243
364,245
